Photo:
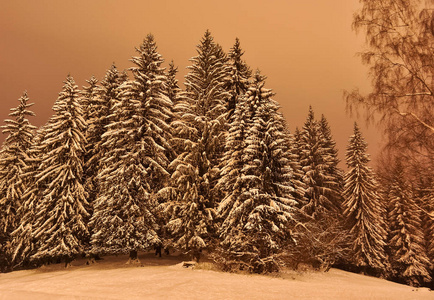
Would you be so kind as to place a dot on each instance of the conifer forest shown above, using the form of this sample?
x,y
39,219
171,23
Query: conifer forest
x,y
132,162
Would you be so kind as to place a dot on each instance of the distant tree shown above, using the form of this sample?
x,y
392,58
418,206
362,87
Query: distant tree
x,y
12,164
258,206
400,40
200,132
363,210
408,258
60,226
135,161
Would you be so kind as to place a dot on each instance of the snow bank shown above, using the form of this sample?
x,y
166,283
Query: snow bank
x,y
164,278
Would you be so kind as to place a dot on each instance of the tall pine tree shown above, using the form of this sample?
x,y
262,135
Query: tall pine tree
x,y
322,240
363,210
23,242
12,166
334,175
316,161
202,109
124,219
258,206
408,257
100,100
237,80
60,226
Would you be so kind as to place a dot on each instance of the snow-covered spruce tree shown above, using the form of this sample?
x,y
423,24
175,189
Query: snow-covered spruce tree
x,y
334,175
23,243
88,98
108,94
236,84
258,206
12,184
316,161
89,101
60,226
172,87
100,100
407,255
299,192
200,132
237,80
363,210
428,199
425,201
322,239
135,162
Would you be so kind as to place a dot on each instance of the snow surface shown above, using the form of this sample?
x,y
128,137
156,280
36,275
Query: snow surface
x,y
166,278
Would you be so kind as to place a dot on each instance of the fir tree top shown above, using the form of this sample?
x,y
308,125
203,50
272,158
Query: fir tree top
x,y
20,129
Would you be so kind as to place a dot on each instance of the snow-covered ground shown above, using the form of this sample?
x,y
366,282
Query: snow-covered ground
x,y
165,278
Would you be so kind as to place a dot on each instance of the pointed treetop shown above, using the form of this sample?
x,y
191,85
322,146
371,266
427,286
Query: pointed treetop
x,y
69,92
258,77
92,81
206,43
311,113
21,110
173,70
237,45
149,59
356,128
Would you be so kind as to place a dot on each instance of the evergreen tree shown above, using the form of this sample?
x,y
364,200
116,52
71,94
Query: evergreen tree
x,y
237,81
315,162
322,239
60,226
173,92
12,164
425,201
408,258
299,192
202,109
88,98
23,243
363,210
108,96
257,177
89,101
428,199
172,86
334,176
136,161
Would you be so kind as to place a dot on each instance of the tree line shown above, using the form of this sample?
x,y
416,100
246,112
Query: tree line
x,y
133,162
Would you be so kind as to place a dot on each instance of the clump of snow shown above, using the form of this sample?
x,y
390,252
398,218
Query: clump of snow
x,y
165,278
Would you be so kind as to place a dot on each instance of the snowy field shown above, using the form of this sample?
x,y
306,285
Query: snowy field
x,y
165,278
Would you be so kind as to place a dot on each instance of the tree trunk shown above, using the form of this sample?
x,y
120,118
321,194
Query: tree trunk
x,y
196,256
67,259
133,255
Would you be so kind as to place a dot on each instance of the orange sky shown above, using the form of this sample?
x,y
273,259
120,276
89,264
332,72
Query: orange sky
x,y
306,48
